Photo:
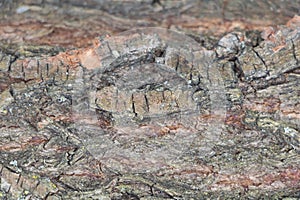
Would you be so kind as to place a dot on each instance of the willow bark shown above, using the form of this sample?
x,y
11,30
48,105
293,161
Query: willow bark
x,y
96,105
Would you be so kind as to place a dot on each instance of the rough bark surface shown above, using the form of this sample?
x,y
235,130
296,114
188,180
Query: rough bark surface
x,y
97,105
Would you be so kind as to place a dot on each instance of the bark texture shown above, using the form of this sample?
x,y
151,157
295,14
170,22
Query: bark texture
x,y
95,104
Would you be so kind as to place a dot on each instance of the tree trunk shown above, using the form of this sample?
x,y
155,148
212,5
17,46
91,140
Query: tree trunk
x,y
98,104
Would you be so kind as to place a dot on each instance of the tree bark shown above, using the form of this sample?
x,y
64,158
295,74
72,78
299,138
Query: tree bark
x,y
96,103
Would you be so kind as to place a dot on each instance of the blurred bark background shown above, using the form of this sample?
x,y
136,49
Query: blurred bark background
x,y
254,47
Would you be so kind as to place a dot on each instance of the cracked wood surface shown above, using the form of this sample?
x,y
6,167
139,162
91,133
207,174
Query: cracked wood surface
x,y
207,108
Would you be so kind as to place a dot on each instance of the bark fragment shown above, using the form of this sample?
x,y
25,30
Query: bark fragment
x,y
149,113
